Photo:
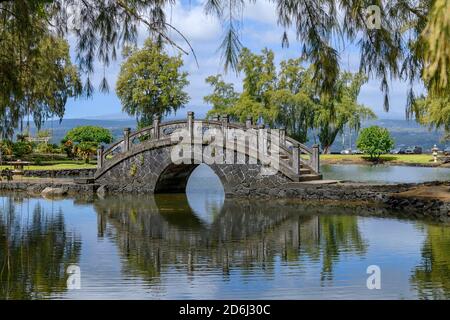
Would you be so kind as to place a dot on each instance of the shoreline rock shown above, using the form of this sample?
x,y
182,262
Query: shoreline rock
x,y
62,173
397,197
54,192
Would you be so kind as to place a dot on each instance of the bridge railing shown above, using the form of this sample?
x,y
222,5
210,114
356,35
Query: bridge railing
x,y
293,155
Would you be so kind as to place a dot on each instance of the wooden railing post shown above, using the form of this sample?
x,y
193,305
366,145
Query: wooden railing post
x,y
156,128
315,161
126,139
100,151
296,159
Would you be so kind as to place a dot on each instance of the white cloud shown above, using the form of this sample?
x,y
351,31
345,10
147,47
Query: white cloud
x,y
192,21
261,11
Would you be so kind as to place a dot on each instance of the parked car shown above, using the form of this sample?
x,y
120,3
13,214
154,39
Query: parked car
x,y
447,151
418,150
398,151
346,151
414,150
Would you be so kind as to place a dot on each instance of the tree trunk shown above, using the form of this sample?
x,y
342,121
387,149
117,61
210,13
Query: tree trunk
x,y
326,149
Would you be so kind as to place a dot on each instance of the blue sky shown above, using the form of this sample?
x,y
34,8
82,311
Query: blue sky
x,y
259,30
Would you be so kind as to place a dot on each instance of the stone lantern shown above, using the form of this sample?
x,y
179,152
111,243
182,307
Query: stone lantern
x,y
434,151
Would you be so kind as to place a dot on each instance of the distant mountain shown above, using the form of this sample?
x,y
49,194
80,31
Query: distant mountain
x,y
111,116
60,129
407,133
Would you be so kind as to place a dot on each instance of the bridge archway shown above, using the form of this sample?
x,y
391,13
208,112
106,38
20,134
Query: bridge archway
x,y
142,161
175,178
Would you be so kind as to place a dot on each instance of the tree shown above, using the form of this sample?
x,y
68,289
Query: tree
x,y
421,25
6,147
93,134
334,114
22,148
288,98
436,52
35,254
68,148
295,99
84,140
223,98
85,150
433,112
150,84
409,44
44,134
44,79
375,141
258,84
431,275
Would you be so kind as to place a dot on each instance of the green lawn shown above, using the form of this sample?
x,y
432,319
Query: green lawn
x,y
327,158
393,158
56,165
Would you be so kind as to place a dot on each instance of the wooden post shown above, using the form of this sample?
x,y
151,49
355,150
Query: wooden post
x,y
296,159
100,157
249,122
316,158
156,129
126,139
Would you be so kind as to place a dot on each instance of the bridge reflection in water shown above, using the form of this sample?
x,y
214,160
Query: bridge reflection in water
x,y
162,231
173,247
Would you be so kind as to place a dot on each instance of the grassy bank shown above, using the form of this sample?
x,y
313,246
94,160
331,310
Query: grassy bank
x,y
405,159
401,159
56,165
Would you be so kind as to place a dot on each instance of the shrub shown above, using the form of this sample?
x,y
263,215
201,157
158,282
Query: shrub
x,y
22,137
84,141
375,141
44,148
96,135
22,148
68,148
86,149
6,147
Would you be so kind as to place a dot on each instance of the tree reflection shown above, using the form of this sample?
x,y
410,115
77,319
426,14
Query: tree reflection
x,y
432,276
158,232
339,234
35,250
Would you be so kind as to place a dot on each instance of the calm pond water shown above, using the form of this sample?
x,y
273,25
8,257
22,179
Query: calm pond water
x,y
204,246
385,173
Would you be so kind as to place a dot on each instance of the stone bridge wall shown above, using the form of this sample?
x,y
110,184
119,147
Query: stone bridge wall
x,y
152,171
141,162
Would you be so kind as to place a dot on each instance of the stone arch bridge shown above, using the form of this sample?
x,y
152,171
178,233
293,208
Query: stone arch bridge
x,y
143,161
